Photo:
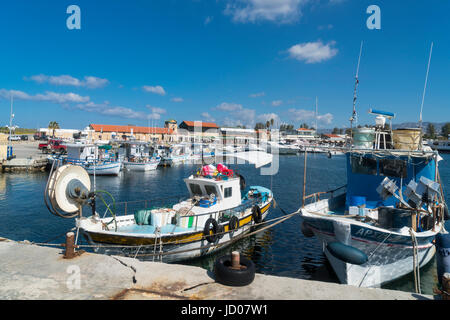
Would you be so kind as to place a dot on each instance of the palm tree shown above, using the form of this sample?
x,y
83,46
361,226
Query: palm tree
x,y
53,125
271,122
267,124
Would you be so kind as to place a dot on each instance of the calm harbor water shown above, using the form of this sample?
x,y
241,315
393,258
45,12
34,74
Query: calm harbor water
x,y
281,250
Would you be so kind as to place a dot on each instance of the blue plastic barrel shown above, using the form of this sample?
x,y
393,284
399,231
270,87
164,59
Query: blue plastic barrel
x,y
442,254
356,201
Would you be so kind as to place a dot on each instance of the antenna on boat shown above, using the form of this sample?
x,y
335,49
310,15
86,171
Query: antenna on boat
x,y
425,86
354,116
317,114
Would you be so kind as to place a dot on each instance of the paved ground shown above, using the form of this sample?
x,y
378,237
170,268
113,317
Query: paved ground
x,y
26,149
34,272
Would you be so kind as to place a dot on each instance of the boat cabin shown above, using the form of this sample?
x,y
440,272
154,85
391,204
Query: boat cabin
x,y
225,193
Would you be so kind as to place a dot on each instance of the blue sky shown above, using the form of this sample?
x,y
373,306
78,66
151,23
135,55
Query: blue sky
x,y
229,61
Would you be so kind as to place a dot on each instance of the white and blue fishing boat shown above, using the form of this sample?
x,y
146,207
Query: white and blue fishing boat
x,y
173,155
382,224
217,211
139,156
94,159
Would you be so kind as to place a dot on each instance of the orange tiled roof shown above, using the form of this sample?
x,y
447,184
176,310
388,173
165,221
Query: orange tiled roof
x,y
204,124
304,129
127,129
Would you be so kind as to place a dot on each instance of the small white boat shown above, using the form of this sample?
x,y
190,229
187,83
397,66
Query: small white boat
x,y
94,159
138,156
141,164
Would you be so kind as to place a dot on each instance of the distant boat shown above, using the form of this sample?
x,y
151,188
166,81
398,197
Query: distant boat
x,y
440,145
94,159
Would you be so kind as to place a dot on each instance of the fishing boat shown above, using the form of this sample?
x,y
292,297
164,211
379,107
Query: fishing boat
x,y
382,224
218,209
139,156
93,158
173,155
442,146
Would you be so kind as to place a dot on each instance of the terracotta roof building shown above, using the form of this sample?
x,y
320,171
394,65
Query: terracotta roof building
x,y
121,132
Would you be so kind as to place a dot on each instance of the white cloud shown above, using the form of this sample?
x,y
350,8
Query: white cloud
x,y
313,52
267,117
177,99
307,115
207,117
225,106
208,20
66,80
280,11
49,96
236,114
277,103
258,94
155,89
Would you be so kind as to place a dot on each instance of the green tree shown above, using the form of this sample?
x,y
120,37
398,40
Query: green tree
x,y
335,131
431,131
445,131
53,125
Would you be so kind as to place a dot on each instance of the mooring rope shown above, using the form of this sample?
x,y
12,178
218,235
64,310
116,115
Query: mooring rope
x,y
416,265
274,222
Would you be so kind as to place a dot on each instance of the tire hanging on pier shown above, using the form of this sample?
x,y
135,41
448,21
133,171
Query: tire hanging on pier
x,y
226,275
211,225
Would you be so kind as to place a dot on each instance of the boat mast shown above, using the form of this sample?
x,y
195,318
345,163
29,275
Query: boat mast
x,y
425,87
354,115
317,114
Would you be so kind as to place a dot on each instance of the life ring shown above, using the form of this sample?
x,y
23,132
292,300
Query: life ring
x,y
207,230
256,214
233,224
224,274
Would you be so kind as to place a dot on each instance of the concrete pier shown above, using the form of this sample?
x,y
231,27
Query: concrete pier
x,y
36,272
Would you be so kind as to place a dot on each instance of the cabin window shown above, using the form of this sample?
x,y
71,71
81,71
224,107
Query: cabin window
x,y
228,192
363,165
195,189
393,168
211,190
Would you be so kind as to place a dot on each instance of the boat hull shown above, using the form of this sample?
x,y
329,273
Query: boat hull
x,y
390,254
107,169
141,166
174,247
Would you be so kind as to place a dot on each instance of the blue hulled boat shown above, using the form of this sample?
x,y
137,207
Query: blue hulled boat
x,y
382,223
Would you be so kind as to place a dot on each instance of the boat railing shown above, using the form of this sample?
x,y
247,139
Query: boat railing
x,y
131,207
332,194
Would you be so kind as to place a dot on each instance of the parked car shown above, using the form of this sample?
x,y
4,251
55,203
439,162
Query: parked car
x,y
14,138
53,146
24,137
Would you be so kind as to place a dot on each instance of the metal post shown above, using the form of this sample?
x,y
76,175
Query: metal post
x,y
235,260
304,180
70,246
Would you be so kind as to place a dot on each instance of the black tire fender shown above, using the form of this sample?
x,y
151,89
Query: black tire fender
x,y
233,224
233,277
256,214
211,238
